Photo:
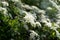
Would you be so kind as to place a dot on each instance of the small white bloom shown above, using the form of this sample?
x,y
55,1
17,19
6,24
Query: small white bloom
x,y
26,7
5,3
54,5
58,16
38,24
48,24
43,21
57,34
34,7
30,19
41,11
33,35
3,9
43,16
56,25
33,24
49,8
58,22
15,0
53,28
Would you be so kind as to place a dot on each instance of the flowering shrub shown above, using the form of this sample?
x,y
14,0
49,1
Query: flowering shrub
x,y
29,19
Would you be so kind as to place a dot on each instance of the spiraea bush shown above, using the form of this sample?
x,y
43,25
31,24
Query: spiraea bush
x,y
29,19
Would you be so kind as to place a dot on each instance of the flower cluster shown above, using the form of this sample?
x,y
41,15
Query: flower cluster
x,y
31,19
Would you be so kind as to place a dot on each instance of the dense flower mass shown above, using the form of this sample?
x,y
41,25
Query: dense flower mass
x,y
29,19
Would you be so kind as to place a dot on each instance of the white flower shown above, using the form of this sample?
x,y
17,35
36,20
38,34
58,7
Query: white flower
x,y
33,24
5,3
55,26
57,34
26,7
49,8
58,22
37,10
58,16
54,5
43,16
4,10
38,24
33,35
29,19
15,0
34,7
43,21
41,11
48,24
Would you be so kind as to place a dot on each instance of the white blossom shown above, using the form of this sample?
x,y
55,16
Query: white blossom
x,y
33,35
49,8
34,7
26,7
48,24
30,19
55,26
5,3
15,0
3,9
38,24
57,34
54,4
43,21
58,22
42,11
